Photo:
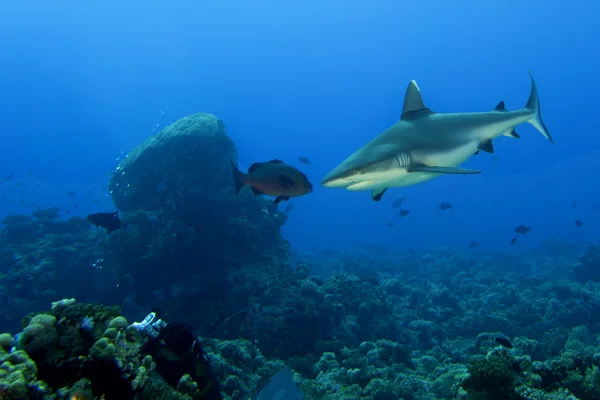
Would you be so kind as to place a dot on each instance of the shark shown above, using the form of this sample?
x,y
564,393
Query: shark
x,y
424,144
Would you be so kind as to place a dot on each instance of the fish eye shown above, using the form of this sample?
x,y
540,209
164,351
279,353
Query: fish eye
x,y
359,171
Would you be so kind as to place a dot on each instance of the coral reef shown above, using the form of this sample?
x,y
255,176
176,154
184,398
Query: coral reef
x,y
91,350
364,323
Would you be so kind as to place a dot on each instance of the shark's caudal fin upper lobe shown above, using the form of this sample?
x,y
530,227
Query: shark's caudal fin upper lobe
x,y
533,104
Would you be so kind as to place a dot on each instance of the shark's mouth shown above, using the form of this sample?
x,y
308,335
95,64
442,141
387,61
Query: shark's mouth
x,y
364,185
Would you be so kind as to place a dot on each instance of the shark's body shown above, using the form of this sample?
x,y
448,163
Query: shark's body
x,y
423,144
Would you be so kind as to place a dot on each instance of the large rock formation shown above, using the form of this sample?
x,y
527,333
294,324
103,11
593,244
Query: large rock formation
x,y
186,162
186,232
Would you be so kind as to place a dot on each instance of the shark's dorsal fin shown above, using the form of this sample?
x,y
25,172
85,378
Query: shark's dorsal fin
x,y
413,102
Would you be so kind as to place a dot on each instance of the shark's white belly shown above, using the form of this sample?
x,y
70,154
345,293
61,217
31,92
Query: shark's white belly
x,y
400,177
448,158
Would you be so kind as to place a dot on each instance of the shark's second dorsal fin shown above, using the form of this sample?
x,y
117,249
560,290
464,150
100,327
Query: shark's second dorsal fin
x,y
501,107
413,102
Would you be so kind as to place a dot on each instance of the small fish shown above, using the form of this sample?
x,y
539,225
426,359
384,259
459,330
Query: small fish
x,y
304,160
503,341
403,213
522,229
274,178
289,208
390,224
71,194
578,223
473,244
514,240
398,202
445,206
573,204
108,221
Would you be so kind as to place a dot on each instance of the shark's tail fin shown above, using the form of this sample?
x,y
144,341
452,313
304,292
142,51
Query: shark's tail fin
x,y
533,104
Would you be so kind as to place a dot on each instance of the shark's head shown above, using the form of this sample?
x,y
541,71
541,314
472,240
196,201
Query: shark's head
x,y
364,169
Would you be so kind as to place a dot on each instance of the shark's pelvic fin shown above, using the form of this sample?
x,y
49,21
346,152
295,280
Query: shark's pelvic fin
x,y
486,146
512,133
443,170
377,194
533,104
413,102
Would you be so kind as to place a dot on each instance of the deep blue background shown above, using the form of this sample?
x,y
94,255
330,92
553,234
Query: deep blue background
x,y
82,82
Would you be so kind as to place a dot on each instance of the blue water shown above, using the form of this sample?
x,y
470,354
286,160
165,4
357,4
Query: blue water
x,y
82,83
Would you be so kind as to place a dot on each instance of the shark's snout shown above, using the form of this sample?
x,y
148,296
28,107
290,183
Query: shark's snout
x,y
336,179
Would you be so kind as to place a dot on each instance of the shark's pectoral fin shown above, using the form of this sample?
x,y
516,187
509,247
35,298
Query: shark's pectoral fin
x,y
443,170
413,102
486,146
512,133
377,194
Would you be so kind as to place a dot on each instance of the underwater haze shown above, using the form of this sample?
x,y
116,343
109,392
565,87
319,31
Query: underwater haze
x,y
82,83
175,221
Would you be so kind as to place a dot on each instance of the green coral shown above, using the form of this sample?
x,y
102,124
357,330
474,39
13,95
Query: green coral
x,y
18,376
6,341
119,323
492,376
103,350
40,334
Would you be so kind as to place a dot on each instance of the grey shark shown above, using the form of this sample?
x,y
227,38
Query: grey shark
x,y
424,144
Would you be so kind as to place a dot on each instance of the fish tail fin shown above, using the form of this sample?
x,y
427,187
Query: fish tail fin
x,y
533,104
238,178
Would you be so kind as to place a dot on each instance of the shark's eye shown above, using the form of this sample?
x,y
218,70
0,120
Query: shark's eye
x,y
358,171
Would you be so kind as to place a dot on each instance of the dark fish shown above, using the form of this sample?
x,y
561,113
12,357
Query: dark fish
x,y
444,206
578,223
522,229
473,244
503,341
573,204
398,202
304,160
289,208
514,240
390,224
71,194
108,221
8,177
274,178
403,213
